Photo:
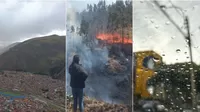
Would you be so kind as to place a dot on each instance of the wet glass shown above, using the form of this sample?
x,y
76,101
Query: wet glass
x,y
169,29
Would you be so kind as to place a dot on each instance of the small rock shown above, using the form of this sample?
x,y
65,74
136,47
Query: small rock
x,y
44,90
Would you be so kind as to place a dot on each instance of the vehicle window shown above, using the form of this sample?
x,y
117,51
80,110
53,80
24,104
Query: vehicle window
x,y
148,62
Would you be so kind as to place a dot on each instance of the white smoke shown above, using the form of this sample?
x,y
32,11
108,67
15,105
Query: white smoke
x,y
97,85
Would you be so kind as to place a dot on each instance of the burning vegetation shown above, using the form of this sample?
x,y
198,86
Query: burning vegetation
x,y
114,38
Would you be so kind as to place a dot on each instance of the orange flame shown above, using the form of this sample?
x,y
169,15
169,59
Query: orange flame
x,y
113,38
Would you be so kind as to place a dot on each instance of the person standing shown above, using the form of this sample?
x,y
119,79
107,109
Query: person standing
x,y
77,82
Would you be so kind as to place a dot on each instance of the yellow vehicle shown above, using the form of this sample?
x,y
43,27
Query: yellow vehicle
x,y
145,62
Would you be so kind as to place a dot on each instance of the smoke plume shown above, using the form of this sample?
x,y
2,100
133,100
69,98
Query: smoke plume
x,y
93,61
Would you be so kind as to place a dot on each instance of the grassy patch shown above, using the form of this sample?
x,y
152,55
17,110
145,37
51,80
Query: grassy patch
x,y
12,93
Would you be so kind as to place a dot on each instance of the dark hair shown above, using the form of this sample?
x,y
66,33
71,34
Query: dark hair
x,y
76,59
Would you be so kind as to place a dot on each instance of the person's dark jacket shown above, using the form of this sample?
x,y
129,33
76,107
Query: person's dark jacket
x,y
78,74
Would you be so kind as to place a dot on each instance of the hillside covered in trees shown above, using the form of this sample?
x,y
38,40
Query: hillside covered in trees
x,y
101,18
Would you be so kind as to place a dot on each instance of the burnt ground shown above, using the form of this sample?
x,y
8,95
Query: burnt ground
x,y
42,93
119,68
93,105
108,87
109,81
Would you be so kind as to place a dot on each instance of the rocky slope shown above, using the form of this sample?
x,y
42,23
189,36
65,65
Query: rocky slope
x,y
41,92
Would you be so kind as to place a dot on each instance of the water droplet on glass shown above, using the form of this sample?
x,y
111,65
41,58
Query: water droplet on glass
x,y
167,23
156,59
185,52
152,21
193,8
178,50
141,1
187,40
156,26
182,97
185,10
163,7
173,37
163,54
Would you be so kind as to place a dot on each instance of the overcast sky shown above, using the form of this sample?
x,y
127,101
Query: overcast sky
x,y
80,5
21,20
153,31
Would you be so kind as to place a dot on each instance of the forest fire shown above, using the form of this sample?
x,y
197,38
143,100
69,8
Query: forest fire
x,y
113,38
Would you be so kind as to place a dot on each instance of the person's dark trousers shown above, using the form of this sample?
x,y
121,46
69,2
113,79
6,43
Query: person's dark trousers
x,y
78,98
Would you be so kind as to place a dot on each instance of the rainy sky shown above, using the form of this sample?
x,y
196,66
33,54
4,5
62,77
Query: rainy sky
x,y
24,19
153,31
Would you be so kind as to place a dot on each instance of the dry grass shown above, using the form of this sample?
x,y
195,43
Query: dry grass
x,y
92,105
115,66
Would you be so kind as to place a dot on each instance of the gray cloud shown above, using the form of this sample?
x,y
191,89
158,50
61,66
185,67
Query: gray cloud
x,y
153,31
26,19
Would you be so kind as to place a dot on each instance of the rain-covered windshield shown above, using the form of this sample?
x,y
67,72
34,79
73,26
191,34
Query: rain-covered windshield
x,y
170,29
